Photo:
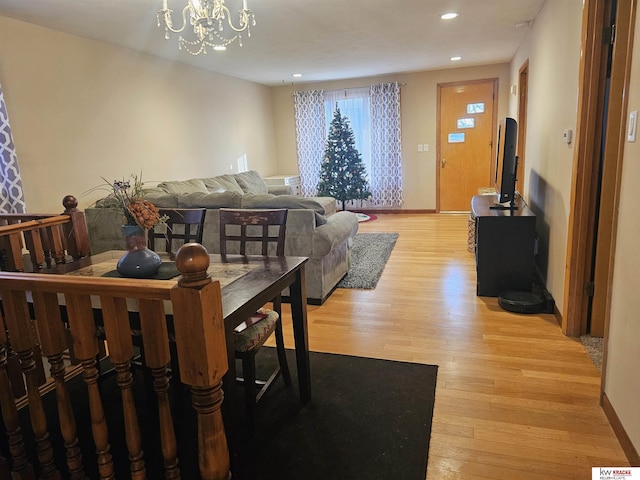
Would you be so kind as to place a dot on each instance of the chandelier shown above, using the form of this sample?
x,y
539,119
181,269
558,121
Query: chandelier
x,y
207,19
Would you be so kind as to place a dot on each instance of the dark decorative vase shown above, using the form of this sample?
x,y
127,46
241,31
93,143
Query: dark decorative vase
x,y
139,261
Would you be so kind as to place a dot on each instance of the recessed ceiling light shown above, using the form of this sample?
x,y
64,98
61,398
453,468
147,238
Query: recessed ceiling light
x,y
449,15
296,75
455,59
219,48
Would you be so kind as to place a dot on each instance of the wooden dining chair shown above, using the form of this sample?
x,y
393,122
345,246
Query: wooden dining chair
x,y
265,227
183,225
180,226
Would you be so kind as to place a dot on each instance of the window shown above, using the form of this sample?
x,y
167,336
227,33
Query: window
x,y
374,117
353,104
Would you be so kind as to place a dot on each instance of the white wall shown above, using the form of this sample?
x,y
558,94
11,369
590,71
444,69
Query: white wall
x,y
622,382
82,109
552,47
553,50
418,102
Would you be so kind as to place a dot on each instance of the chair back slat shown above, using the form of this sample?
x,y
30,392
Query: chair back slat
x,y
253,226
49,301
182,225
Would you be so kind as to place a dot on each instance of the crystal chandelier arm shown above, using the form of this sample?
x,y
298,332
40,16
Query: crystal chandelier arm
x,y
165,13
244,23
221,11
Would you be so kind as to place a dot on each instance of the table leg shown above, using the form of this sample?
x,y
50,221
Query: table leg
x,y
298,298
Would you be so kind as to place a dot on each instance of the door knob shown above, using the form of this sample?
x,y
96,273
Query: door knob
x,y
443,161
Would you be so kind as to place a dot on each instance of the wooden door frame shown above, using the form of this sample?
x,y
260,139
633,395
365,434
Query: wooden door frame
x,y
582,218
612,169
438,127
523,94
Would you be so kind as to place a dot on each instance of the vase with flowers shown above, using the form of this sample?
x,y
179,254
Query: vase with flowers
x,y
139,216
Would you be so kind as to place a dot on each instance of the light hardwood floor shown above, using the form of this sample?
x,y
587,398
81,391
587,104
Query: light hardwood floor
x,y
515,399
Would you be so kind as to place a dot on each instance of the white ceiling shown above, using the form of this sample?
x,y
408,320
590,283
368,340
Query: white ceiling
x,y
322,39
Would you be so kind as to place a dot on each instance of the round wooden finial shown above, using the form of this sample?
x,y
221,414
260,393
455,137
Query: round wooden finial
x,y
70,203
192,261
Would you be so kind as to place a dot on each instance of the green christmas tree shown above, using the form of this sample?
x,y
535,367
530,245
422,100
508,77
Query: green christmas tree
x,y
342,174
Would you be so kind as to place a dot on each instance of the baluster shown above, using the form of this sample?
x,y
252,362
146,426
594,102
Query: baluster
x,y
202,354
117,329
33,242
22,469
156,357
5,474
21,333
15,263
53,338
76,236
53,245
4,247
15,373
85,342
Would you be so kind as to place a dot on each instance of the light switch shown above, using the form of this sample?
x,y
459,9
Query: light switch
x,y
633,123
419,147
426,147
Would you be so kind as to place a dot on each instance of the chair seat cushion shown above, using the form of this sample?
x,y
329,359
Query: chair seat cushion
x,y
256,334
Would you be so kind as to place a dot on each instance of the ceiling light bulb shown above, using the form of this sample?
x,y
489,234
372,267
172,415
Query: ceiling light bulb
x,y
455,59
449,16
220,48
296,75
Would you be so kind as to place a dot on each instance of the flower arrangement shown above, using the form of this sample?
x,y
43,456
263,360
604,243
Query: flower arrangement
x,y
127,195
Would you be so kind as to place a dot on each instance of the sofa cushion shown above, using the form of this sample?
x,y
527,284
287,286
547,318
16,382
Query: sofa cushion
x,y
222,183
184,186
281,201
210,200
251,182
328,203
160,198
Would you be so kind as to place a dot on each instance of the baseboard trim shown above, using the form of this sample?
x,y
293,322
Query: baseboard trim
x,y
379,211
621,434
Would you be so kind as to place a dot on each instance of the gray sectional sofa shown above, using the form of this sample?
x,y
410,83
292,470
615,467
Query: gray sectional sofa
x,y
314,228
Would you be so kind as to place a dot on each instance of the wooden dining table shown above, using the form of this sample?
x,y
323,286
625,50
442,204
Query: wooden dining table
x,y
247,283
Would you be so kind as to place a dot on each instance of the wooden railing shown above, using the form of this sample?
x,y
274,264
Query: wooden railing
x,y
31,243
48,238
195,302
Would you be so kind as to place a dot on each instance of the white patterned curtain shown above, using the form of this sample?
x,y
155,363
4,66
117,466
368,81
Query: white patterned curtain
x,y
386,150
310,138
11,194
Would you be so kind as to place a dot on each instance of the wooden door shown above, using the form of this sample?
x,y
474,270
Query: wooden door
x,y
523,95
466,129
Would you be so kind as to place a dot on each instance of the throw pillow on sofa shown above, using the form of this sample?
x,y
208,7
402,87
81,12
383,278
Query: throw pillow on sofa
x,y
222,183
252,182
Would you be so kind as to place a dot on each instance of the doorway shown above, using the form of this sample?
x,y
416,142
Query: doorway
x,y
466,120
605,71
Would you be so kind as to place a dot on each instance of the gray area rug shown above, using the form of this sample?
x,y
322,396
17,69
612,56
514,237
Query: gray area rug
x,y
369,255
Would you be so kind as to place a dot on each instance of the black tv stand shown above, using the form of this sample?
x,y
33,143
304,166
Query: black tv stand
x,y
504,241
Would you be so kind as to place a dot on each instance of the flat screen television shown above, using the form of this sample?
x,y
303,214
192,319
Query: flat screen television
x,y
506,167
